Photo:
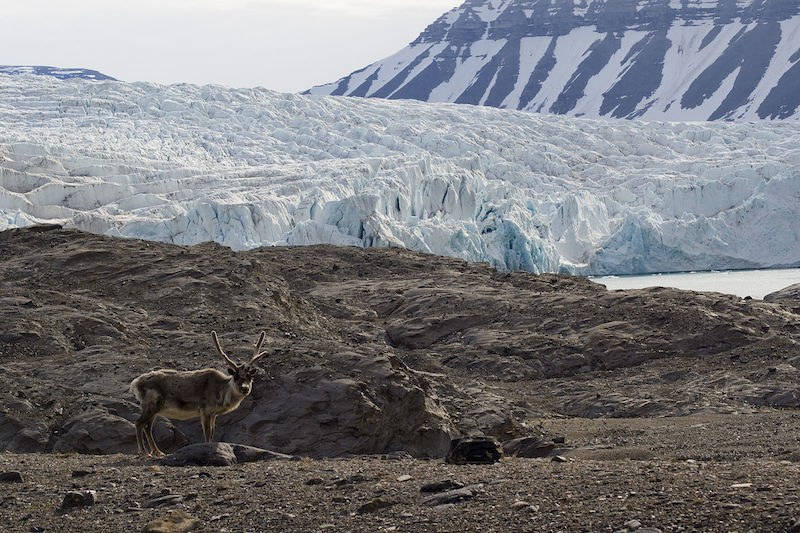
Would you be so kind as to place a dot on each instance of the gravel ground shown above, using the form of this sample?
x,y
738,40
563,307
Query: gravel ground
x,y
601,486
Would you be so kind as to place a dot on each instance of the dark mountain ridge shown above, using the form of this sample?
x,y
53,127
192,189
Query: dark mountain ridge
x,y
56,72
653,59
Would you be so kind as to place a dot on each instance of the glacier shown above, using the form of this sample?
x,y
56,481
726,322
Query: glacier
x,y
543,193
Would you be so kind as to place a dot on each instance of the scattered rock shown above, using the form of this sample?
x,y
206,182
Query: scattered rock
x,y
633,524
350,480
474,450
439,486
529,447
520,505
11,477
173,522
374,505
405,477
78,498
559,459
452,496
163,501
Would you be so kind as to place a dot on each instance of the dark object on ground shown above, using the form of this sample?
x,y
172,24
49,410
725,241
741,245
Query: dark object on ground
x,y
78,498
439,486
11,477
474,450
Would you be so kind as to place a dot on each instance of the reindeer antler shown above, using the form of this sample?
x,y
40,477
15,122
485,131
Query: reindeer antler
x,y
222,353
256,354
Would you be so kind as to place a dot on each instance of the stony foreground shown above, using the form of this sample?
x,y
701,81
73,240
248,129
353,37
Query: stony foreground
x,y
383,493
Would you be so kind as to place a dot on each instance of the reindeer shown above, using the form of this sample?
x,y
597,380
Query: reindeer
x,y
206,393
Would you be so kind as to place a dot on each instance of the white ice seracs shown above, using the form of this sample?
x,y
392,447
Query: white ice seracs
x,y
251,167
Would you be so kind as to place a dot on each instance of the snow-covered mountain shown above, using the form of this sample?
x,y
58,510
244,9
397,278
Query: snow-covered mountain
x,y
245,168
650,59
56,72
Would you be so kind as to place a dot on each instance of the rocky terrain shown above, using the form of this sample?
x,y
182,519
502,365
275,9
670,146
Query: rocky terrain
x,y
673,409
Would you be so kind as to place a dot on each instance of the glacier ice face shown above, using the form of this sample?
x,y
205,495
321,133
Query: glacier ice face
x,y
251,167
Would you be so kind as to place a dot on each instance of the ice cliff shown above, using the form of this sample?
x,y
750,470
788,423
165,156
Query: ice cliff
x,y
248,168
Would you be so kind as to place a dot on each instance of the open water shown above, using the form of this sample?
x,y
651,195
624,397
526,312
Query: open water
x,y
753,283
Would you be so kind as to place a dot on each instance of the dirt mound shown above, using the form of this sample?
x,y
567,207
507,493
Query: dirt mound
x,y
371,351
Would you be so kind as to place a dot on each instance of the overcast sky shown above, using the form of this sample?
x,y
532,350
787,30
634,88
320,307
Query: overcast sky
x,y
285,45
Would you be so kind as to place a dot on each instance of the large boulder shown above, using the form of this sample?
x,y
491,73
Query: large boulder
x,y
787,295
98,431
21,435
378,405
529,447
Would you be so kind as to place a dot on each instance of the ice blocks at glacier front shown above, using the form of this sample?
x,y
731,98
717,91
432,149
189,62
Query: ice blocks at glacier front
x,y
251,167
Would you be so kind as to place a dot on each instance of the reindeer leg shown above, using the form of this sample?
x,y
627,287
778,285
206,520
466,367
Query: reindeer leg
x,y
212,422
207,422
151,405
152,441
140,425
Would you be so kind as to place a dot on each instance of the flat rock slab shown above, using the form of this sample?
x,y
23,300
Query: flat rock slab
x,y
452,496
163,501
220,454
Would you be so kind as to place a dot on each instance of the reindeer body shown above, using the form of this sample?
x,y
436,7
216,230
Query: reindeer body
x,y
185,395
206,393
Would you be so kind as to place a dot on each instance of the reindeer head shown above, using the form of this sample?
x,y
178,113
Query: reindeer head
x,y
242,374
